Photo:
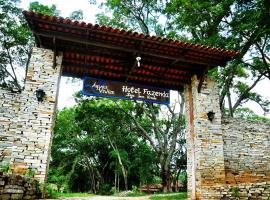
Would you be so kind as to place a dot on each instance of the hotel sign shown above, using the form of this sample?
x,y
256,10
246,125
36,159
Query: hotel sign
x,y
128,91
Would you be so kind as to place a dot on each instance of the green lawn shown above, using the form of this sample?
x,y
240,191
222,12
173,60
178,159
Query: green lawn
x,y
178,196
58,195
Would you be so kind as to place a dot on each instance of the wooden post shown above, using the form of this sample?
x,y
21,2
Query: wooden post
x,y
192,134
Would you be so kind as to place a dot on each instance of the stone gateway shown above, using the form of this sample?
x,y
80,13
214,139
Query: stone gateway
x,y
227,158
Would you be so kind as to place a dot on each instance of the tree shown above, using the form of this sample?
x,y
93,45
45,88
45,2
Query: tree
x,y
246,113
141,15
44,9
94,137
76,15
231,24
162,128
16,40
15,45
109,124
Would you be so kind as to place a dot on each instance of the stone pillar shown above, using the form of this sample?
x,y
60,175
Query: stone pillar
x,y
204,141
36,118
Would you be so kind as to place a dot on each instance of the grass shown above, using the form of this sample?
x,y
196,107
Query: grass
x,y
136,194
176,196
59,195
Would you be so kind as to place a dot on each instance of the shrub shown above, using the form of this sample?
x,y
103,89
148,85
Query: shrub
x,y
6,168
105,189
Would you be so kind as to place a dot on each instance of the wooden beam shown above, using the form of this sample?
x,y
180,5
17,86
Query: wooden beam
x,y
183,66
66,37
192,141
131,70
38,40
54,53
160,74
100,68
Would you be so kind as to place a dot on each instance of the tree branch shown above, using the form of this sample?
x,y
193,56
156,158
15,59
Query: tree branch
x,y
244,94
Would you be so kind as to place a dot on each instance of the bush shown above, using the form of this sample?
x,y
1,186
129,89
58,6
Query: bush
x,y
6,168
105,189
183,180
30,173
39,188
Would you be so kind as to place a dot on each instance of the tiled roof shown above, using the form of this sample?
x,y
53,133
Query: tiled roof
x,y
110,53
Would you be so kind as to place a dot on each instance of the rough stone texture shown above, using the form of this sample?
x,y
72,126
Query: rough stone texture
x,y
246,151
229,158
9,107
245,191
13,187
204,140
26,124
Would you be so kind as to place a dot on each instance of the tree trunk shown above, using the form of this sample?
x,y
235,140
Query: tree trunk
x,y
124,171
115,182
165,176
92,175
118,183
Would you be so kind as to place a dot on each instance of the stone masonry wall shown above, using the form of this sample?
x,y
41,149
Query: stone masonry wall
x,y
16,187
245,191
228,158
204,141
246,151
27,137
9,107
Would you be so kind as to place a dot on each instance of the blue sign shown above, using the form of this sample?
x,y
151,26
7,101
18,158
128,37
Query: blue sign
x,y
121,90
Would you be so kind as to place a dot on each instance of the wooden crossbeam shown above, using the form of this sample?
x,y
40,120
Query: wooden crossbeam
x,y
94,67
66,37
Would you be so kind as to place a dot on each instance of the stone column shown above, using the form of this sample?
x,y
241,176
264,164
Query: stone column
x,y
36,118
204,141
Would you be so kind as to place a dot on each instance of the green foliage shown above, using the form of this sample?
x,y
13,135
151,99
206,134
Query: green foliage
x,y
183,179
44,9
238,25
235,191
230,24
105,189
141,15
179,196
15,44
96,141
60,195
6,168
76,15
39,188
30,173
246,113
81,147
49,191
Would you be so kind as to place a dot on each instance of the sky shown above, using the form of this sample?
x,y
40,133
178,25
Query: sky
x,y
90,10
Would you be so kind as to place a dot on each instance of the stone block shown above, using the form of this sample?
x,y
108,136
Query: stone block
x,y
16,196
5,196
